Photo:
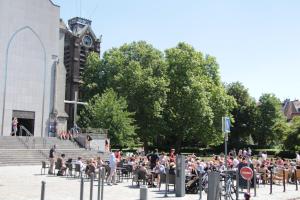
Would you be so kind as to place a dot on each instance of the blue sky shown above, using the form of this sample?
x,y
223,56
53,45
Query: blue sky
x,y
255,42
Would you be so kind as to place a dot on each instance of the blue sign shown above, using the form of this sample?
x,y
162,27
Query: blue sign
x,y
226,124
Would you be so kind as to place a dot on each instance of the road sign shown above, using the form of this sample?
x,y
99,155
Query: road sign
x,y
226,124
246,173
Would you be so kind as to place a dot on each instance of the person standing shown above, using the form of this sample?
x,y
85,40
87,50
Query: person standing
x,y
14,126
88,142
113,169
154,158
172,156
52,159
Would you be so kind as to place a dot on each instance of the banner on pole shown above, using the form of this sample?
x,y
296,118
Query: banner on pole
x,y
226,124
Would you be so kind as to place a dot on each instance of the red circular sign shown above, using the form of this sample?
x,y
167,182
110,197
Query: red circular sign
x,y
246,173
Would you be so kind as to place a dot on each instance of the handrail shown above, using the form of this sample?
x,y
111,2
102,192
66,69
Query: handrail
x,y
26,130
28,135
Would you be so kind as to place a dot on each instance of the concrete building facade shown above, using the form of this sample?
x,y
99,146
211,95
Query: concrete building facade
x,y
29,55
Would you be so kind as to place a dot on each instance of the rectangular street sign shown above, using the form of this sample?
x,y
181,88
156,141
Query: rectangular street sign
x,y
226,124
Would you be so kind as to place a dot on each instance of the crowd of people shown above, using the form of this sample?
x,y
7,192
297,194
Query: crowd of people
x,y
153,165
60,162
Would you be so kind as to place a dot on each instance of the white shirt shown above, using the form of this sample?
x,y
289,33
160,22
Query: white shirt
x,y
264,156
82,165
298,157
112,161
235,162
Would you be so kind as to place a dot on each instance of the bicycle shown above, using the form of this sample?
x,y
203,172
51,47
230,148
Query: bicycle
x,y
228,190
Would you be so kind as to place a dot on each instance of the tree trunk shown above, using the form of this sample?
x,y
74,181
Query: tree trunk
x,y
146,146
178,144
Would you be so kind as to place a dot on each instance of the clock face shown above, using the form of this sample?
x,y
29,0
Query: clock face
x,y
87,41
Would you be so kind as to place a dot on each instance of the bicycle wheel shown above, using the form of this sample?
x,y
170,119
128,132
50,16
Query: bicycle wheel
x,y
231,192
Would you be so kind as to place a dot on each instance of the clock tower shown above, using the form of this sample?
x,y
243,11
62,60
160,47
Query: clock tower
x,y
80,40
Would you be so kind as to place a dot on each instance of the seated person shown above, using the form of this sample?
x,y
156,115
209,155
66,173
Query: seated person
x,y
82,165
62,165
157,171
142,172
62,135
91,167
172,168
100,162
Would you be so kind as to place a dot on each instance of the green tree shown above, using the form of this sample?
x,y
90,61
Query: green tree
x,y
292,141
244,113
92,79
196,100
270,121
110,112
137,71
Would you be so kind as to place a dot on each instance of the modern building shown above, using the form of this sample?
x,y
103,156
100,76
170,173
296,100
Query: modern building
x,y
80,40
29,64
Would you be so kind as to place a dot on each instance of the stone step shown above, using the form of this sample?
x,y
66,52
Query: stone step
x,y
14,152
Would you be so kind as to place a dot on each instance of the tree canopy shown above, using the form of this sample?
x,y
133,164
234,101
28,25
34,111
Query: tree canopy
x,y
244,113
110,112
196,99
173,98
270,119
292,141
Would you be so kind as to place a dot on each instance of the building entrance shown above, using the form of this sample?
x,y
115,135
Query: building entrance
x,y
25,119
28,124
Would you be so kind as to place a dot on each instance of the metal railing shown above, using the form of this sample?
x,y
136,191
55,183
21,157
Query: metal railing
x,y
29,140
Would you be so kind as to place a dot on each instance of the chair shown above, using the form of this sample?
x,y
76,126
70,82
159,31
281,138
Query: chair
x,y
172,180
127,172
107,171
163,178
139,176
44,167
264,177
281,175
298,174
70,169
78,170
57,167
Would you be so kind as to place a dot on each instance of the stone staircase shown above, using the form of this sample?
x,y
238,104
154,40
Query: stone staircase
x,y
33,150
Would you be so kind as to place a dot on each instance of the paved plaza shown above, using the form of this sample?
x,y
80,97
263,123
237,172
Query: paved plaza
x,y
24,183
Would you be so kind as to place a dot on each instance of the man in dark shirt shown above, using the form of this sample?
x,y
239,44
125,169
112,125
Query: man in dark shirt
x,y
154,157
52,159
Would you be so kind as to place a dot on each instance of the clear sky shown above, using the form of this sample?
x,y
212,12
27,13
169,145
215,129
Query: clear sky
x,y
255,42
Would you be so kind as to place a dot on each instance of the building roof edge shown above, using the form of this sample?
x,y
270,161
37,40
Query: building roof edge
x,y
54,3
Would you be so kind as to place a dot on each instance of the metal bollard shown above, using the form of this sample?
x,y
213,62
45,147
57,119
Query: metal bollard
x,y
81,188
248,187
143,192
200,185
102,185
167,182
271,181
237,185
296,179
214,189
43,190
99,182
225,181
91,186
283,181
254,179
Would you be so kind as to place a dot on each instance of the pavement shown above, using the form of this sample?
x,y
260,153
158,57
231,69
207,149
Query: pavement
x,y
24,183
